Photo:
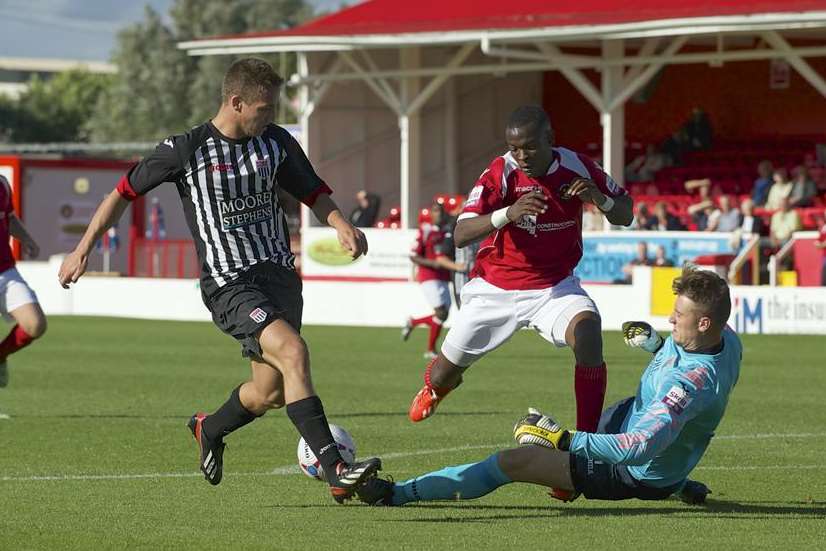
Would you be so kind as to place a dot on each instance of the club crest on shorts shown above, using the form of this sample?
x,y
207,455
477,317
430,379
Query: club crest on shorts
x,y
258,315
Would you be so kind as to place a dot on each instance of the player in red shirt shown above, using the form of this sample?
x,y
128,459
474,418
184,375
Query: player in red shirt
x,y
18,303
432,253
527,209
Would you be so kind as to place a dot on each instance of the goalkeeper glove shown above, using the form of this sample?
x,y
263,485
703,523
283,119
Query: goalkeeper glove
x,y
642,335
539,429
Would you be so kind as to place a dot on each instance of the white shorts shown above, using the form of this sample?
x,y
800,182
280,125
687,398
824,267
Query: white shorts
x,y
14,292
489,316
436,292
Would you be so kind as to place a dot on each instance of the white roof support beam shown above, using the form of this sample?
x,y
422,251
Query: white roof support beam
x,y
316,91
499,68
434,85
648,49
801,66
642,79
388,89
575,77
371,80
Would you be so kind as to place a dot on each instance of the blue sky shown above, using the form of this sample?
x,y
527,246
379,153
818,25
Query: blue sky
x,y
78,29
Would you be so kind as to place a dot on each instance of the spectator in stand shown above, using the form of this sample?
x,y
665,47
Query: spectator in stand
x,y
781,188
643,219
821,244
804,189
760,191
749,223
661,259
592,218
700,211
674,147
640,260
724,218
664,220
367,208
644,167
784,223
698,130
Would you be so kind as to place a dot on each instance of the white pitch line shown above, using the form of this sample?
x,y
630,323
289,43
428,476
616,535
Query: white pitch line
x,y
769,435
757,467
293,469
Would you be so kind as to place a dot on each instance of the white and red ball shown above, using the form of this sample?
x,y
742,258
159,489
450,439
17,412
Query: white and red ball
x,y
307,459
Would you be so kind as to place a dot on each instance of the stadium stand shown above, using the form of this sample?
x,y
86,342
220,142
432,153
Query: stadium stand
x,y
731,167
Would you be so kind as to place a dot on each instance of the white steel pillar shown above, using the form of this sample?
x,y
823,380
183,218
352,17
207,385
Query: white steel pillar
x,y
613,120
409,134
307,106
451,138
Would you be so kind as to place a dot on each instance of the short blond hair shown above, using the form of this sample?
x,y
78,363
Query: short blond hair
x,y
250,78
706,289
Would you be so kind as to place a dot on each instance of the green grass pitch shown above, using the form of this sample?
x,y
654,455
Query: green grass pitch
x,y
96,455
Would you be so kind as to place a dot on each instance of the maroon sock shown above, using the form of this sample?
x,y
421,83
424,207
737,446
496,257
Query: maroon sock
x,y
426,320
589,386
16,340
435,329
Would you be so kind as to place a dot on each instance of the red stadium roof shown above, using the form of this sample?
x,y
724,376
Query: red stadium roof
x,y
427,16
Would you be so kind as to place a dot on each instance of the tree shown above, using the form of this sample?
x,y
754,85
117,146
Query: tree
x,y
53,110
160,90
148,98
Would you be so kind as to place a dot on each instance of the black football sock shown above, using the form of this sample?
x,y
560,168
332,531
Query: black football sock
x,y
308,417
229,417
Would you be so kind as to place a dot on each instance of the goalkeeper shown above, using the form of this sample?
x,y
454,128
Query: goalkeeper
x,y
645,446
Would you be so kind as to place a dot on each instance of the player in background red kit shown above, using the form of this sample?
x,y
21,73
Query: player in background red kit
x,y
527,209
18,303
433,256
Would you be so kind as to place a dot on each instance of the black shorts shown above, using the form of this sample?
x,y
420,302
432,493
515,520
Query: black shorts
x,y
263,293
598,480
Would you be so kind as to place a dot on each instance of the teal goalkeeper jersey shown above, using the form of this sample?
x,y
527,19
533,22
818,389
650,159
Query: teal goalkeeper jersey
x,y
679,403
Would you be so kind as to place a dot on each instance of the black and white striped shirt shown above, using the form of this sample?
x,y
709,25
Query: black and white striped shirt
x,y
228,193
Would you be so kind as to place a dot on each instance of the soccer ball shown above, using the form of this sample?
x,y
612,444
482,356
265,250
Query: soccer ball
x,y
307,459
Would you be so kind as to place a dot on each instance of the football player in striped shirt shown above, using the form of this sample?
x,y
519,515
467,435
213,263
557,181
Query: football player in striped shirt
x,y
227,171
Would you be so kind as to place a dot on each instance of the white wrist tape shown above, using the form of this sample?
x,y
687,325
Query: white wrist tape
x,y
607,205
499,218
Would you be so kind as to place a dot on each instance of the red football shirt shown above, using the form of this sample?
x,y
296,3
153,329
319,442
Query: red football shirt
x,y
432,241
6,209
535,252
